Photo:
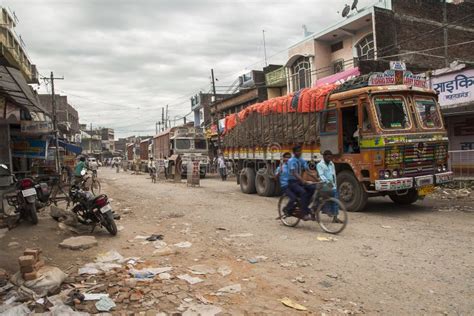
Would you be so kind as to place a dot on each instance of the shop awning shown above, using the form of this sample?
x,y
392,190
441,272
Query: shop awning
x,y
339,77
14,87
70,147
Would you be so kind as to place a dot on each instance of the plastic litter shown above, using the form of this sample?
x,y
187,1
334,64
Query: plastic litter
x,y
94,296
159,244
148,273
190,279
183,244
202,269
224,270
289,303
155,237
109,256
105,304
322,238
241,235
18,310
49,280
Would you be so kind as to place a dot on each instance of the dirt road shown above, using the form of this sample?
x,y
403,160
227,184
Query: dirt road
x,y
390,259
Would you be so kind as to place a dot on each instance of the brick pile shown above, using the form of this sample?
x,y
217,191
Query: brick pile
x,y
30,263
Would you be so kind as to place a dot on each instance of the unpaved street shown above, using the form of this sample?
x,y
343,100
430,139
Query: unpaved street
x,y
389,260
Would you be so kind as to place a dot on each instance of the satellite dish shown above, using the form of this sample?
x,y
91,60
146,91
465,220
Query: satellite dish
x,y
346,11
354,5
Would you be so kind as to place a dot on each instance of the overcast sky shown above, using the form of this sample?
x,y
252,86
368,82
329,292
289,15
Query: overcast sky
x,y
123,60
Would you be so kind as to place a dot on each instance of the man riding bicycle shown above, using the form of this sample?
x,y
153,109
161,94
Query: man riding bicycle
x,y
327,174
297,186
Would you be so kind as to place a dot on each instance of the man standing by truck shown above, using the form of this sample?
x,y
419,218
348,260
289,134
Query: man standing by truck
x,y
300,187
327,174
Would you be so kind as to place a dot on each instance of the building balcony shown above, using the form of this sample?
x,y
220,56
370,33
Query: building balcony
x,y
276,78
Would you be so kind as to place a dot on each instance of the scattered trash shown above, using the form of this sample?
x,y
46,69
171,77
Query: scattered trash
x,y
202,299
252,260
257,259
230,289
120,228
77,243
94,296
221,228
147,273
300,279
241,235
333,275
386,226
105,304
183,244
289,303
98,267
155,237
199,309
63,226
49,280
324,238
110,256
18,310
202,269
191,280
159,244
224,270
164,276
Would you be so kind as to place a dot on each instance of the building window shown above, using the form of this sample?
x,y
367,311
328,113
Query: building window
x,y
301,73
338,66
336,46
365,47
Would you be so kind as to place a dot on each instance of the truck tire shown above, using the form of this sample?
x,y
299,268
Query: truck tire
x,y
264,184
247,181
351,192
405,199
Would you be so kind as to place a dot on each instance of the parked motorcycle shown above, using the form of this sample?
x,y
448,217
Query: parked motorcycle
x,y
92,210
24,198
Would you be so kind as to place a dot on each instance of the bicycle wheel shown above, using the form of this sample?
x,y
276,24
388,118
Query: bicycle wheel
x,y
95,187
289,221
327,220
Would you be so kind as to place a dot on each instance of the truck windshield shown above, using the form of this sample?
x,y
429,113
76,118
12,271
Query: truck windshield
x,y
200,144
182,143
427,111
392,112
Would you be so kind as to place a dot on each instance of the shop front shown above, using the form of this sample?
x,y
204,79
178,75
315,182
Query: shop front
x,y
455,89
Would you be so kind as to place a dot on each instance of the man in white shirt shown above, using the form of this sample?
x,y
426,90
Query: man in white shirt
x,y
222,167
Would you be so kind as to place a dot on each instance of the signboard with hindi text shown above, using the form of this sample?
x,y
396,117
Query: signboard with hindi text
x,y
454,88
395,77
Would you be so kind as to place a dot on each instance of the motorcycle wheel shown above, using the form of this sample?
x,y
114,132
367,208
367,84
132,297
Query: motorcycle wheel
x,y
31,213
109,223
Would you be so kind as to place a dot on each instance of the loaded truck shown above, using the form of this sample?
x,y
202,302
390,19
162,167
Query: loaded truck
x,y
385,130
180,145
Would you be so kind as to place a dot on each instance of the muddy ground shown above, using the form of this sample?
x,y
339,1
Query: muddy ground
x,y
390,259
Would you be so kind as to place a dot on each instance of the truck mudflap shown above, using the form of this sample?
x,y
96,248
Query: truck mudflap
x,y
415,182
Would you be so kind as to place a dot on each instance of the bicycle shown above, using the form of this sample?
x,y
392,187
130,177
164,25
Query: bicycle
x,y
321,211
95,185
58,191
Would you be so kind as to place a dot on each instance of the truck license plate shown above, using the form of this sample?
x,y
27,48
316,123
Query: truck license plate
x,y
28,192
105,209
423,191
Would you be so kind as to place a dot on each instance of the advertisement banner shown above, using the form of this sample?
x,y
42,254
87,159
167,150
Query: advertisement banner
x,y
36,127
454,88
29,148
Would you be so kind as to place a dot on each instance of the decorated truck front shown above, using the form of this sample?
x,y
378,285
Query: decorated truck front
x,y
385,131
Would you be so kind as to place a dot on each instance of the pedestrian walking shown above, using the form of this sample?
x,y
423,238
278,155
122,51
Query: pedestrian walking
x,y
222,167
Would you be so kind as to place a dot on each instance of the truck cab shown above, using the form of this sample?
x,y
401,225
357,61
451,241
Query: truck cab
x,y
389,140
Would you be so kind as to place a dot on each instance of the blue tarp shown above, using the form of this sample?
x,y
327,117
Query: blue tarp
x,y
70,147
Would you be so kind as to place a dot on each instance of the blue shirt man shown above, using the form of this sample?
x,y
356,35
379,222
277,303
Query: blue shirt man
x,y
296,165
283,172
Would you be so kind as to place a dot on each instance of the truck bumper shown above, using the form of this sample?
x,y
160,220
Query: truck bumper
x,y
413,182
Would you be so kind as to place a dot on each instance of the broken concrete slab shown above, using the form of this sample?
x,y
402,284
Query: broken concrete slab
x,y
78,243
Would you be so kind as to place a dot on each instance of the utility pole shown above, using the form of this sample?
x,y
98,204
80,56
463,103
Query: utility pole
x,y
166,122
265,48
156,128
90,141
163,117
55,123
216,117
445,33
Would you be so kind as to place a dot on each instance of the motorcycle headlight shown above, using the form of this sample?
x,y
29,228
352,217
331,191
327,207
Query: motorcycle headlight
x,y
387,174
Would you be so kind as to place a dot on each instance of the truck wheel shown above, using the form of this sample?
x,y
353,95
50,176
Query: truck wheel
x,y
351,192
247,181
264,184
405,199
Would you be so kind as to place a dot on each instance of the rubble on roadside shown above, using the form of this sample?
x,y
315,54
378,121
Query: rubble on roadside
x,y
453,192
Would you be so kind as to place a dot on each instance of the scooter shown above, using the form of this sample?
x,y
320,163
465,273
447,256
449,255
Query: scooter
x,y
24,198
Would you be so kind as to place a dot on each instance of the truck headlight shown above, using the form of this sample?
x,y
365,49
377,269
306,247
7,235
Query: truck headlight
x,y
387,174
440,168
395,173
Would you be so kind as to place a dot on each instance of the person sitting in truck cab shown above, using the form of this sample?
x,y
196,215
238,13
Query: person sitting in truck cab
x,y
297,185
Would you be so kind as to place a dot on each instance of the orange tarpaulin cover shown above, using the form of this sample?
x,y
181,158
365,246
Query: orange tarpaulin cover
x,y
310,100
